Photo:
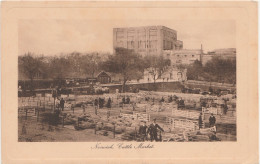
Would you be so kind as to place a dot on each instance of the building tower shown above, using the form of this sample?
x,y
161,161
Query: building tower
x,y
146,40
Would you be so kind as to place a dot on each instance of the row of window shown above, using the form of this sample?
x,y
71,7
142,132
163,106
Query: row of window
x,y
140,44
181,55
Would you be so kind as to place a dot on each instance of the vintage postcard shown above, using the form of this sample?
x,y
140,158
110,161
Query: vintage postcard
x,y
136,82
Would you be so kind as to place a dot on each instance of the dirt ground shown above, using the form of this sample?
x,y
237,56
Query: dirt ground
x,y
37,132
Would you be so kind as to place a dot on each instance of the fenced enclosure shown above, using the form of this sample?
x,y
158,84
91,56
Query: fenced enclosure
x,y
118,120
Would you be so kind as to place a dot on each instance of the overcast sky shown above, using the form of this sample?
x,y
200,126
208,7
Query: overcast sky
x,y
52,37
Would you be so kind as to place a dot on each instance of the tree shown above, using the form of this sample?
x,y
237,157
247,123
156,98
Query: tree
x,y
156,65
195,70
60,67
221,70
90,63
217,69
125,62
74,59
30,65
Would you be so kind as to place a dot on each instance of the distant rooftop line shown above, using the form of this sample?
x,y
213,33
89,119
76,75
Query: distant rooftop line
x,y
144,27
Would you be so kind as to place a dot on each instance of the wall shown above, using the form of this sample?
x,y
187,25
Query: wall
x,y
160,86
170,74
183,56
147,40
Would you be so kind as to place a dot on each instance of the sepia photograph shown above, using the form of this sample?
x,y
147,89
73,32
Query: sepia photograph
x,y
152,81
129,82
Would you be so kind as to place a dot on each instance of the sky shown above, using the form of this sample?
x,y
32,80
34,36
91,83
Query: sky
x,y
53,37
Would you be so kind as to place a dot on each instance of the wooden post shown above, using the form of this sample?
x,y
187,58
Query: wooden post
x,y
117,101
26,114
114,130
95,131
108,114
24,129
72,108
98,103
54,107
63,121
38,111
96,111
78,121
135,133
160,136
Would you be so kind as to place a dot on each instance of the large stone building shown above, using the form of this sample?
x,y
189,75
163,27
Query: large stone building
x,y
183,56
147,40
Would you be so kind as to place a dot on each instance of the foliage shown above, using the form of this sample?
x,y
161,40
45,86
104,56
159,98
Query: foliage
x,y
59,67
156,65
221,70
194,70
217,70
31,65
90,63
125,62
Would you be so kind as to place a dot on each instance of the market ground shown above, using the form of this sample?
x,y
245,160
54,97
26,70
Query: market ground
x,y
38,132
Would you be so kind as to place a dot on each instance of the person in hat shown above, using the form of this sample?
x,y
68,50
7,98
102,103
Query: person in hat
x,y
212,120
123,100
127,100
143,131
162,100
152,130
200,121
62,102
109,103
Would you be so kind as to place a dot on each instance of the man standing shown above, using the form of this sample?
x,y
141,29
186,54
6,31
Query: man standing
x,y
96,102
200,121
143,131
123,100
127,100
212,120
62,102
152,130
162,100
109,103
57,103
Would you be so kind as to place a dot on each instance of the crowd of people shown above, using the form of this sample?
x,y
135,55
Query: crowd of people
x,y
145,132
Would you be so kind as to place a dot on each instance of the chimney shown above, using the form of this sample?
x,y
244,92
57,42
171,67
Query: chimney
x,y
201,53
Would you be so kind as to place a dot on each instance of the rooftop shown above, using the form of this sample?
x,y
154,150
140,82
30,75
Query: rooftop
x,y
158,26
